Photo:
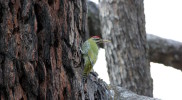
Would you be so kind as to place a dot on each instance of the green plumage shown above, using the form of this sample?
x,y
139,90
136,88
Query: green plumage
x,y
90,53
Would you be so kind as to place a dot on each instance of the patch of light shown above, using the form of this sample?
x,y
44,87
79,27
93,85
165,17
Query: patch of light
x,y
163,18
100,66
96,1
167,82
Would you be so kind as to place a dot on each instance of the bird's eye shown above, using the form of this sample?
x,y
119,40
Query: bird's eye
x,y
96,39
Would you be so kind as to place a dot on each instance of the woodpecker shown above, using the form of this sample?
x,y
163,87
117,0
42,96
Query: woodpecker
x,y
89,51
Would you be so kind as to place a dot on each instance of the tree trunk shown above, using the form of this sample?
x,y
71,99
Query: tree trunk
x,y
123,22
39,51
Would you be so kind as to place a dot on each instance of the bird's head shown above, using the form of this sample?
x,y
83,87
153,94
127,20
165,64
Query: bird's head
x,y
98,40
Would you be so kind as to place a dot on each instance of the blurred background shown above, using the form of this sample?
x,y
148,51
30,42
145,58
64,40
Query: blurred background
x,y
163,18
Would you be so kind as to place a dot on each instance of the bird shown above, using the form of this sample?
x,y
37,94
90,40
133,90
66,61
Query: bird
x,y
89,51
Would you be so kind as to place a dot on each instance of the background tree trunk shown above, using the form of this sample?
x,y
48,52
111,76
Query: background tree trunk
x,y
123,22
93,22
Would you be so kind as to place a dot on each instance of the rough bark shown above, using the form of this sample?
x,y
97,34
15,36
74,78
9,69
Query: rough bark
x,y
123,22
165,51
39,51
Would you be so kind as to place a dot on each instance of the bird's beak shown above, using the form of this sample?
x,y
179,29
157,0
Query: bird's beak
x,y
104,41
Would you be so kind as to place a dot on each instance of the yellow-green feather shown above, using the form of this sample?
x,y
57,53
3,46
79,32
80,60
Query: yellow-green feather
x,y
90,49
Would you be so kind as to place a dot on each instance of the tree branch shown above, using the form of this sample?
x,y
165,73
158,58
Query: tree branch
x,y
165,51
121,93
